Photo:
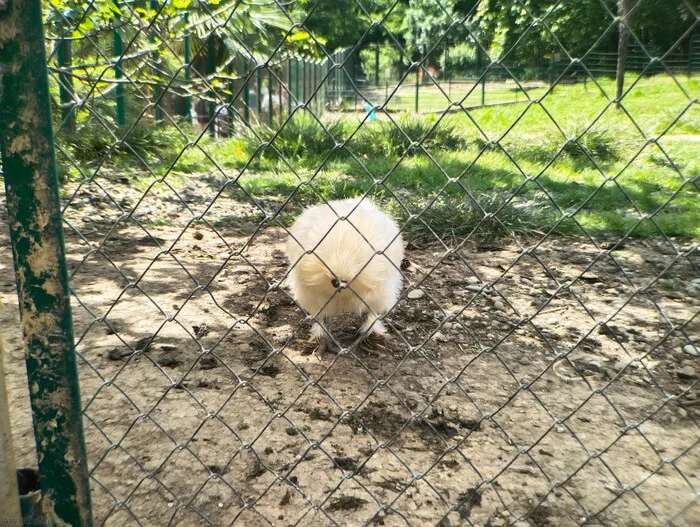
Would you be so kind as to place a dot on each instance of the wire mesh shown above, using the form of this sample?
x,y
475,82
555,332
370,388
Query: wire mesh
x,y
541,363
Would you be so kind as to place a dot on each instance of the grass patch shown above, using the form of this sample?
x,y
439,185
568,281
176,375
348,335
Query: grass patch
x,y
452,217
524,166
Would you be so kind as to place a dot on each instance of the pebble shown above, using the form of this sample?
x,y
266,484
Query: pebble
x,y
416,294
695,282
440,337
118,354
499,306
527,281
683,412
593,366
692,350
687,372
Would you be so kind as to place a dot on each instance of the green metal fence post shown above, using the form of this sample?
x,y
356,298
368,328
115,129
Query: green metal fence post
x,y
376,65
483,89
210,77
325,73
289,87
317,84
188,59
118,73
29,168
158,111
444,61
303,82
483,77
417,85
246,94
269,94
65,83
259,89
280,100
296,67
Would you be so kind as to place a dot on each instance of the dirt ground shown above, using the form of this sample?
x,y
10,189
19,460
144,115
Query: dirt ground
x,y
498,399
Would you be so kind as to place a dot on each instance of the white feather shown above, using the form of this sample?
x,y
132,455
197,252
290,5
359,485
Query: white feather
x,y
357,244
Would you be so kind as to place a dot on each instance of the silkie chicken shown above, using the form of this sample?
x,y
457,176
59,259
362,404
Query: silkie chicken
x,y
345,257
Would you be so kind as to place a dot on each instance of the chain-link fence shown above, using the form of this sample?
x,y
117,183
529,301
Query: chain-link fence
x,y
540,365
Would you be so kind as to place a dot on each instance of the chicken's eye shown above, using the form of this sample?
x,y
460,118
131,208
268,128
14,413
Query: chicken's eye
x,y
335,283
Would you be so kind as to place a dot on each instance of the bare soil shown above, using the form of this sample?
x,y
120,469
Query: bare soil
x,y
538,387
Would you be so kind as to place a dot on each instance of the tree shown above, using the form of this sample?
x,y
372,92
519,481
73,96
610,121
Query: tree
x,y
343,23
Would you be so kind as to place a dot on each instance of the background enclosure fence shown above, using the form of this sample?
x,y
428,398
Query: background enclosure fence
x,y
542,362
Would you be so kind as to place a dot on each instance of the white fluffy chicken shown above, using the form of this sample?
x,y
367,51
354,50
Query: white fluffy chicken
x,y
345,257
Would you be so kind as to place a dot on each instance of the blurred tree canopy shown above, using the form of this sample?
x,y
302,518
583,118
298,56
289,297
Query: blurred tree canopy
x,y
415,26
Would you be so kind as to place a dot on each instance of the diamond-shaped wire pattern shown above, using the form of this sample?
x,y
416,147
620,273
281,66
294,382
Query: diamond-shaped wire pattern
x,y
541,363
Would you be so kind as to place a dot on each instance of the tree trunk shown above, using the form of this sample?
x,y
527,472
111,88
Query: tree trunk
x,y
623,10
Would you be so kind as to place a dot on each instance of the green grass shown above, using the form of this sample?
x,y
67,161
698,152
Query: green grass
x,y
530,165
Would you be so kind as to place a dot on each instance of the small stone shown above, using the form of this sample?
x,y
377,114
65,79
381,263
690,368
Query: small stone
x,y
440,337
169,362
208,362
593,366
498,305
692,350
143,344
416,294
527,281
687,372
117,354
683,412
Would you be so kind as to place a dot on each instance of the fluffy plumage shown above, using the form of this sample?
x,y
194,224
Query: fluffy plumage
x,y
335,266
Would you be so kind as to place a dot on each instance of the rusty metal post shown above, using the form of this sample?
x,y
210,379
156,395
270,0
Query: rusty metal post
x,y
29,167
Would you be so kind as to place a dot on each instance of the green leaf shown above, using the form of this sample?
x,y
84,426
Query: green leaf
x,y
299,35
